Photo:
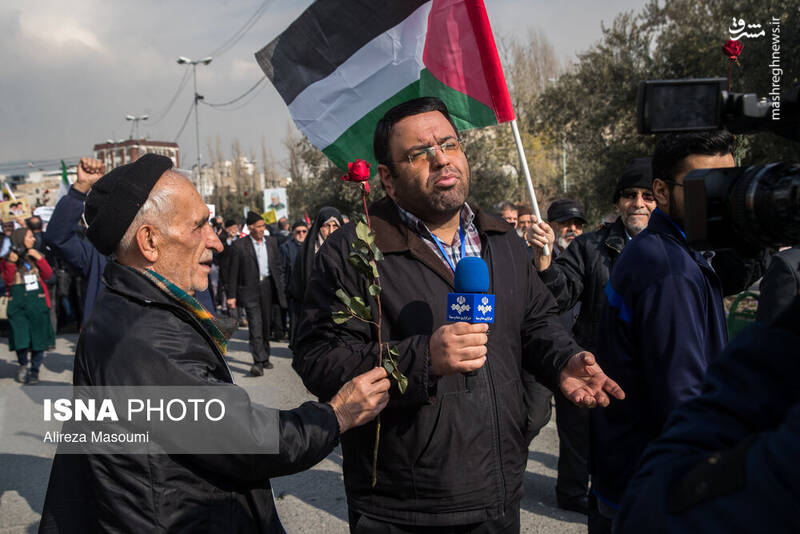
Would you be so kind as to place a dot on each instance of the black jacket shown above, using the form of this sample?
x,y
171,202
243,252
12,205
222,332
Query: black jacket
x,y
139,336
290,249
242,281
580,274
448,455
781,284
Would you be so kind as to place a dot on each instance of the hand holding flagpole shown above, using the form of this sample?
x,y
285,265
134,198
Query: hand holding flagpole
x,y
527,172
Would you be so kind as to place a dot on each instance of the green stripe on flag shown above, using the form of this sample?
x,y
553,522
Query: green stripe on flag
x,y
356,141
467,112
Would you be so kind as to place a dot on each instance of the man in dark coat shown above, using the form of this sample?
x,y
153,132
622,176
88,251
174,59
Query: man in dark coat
x,y
63,234
578,276
254,284
727,460
663,325
227,236
452,450
148,330
290,249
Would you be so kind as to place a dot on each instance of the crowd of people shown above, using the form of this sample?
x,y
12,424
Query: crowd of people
x,y
619,327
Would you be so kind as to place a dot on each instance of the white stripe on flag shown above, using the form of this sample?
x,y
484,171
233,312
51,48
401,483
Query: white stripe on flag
x,y
326,109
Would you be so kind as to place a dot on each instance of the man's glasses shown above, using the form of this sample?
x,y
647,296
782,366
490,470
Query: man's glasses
x,y
631,194
450,147
299,231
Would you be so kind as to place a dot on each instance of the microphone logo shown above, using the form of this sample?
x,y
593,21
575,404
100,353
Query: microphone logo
x,y
484,307
460,306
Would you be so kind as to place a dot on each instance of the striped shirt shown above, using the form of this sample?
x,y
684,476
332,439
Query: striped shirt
x,y
472,240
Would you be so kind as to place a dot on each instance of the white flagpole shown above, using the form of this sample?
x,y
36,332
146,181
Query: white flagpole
x,y
8,188
527,172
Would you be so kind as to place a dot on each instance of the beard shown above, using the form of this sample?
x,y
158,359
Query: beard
x,y
675,213
563,241
436,206
634,227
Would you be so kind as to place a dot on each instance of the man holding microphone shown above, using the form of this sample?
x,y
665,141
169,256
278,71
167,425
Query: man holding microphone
x,y
451,454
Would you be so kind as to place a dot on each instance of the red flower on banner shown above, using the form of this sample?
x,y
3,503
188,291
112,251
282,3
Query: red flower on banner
x,y
358,171
732,49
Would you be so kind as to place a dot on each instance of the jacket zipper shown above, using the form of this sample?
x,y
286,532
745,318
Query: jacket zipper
x,y
495,411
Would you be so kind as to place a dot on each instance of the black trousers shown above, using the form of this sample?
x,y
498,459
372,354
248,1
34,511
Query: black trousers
x,y
508,524
572,423
259,315
573,448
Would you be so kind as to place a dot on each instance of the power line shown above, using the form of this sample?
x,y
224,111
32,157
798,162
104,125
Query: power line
x,y
17,166
181,85
246,102
229,102
238,34
185,122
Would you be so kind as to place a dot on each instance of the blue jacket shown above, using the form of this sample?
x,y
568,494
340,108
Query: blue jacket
x,y
727,461
63,234
663,325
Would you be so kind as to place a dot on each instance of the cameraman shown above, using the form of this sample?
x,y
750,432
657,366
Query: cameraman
x,y
664,323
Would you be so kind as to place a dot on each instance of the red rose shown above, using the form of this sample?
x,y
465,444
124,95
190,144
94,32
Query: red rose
x,y
358,171
732,48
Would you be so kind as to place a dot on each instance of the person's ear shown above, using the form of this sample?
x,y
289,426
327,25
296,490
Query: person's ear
x,y
147,241
661,192
387,180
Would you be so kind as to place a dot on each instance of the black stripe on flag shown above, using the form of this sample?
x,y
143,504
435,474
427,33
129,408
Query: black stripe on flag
x,y
324,36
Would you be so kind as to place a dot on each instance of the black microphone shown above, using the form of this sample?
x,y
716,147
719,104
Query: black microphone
x,y
471,303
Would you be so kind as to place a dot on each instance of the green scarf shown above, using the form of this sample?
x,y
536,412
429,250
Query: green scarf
x,y
217,333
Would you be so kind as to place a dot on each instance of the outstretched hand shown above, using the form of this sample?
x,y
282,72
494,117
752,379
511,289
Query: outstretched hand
x,y
584,383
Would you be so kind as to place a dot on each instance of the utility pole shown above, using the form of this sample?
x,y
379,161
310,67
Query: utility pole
x,y
197,97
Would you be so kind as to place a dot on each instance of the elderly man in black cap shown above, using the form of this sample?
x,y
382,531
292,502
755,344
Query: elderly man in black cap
x,y
254,284
578,276
566,218
148,330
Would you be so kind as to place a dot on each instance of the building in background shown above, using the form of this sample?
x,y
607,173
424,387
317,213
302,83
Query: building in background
x,y
116,153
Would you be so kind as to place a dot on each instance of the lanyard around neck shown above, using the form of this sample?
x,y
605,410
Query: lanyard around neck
x,y
462,237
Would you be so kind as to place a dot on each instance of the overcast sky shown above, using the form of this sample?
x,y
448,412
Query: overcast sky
x,y
71,71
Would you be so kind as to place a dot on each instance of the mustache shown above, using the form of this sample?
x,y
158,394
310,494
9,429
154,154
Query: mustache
x,y
570,233
433,178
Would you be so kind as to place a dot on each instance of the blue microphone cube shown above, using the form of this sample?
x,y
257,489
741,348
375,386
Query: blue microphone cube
x,y
470,307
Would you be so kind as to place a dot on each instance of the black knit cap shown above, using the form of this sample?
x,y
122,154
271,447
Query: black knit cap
x,y
253,217
638,174
564,209
229,222
116,198
298,223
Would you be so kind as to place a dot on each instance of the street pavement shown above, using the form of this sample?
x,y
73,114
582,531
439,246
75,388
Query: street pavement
x,y
309,502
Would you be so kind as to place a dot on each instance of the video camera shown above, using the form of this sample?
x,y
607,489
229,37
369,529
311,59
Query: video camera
x,y
742,208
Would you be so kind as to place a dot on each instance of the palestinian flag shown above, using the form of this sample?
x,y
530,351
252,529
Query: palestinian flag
x,y
343,63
